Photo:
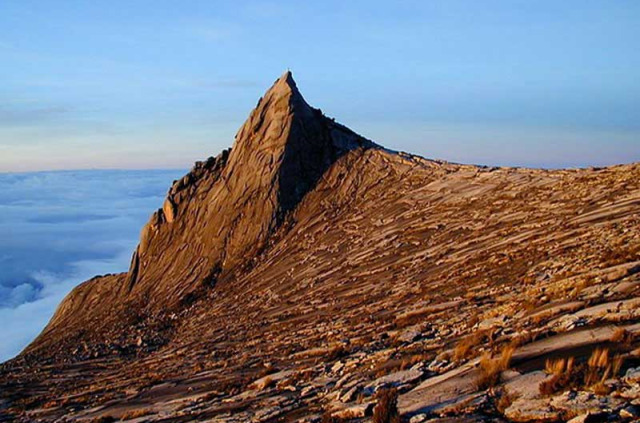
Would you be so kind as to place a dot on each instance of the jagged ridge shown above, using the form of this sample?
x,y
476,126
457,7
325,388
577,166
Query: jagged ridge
x,y
218,216
228,214
386,260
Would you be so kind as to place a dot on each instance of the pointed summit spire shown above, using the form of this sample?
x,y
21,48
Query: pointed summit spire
x,y
217,218
229,213
285,86
287,78
271,120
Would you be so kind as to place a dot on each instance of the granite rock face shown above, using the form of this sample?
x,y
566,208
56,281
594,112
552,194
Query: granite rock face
x,y
220,215
307,270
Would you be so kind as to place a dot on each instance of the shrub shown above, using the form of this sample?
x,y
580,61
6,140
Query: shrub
x,y
386,410
562,373
598,366
491,368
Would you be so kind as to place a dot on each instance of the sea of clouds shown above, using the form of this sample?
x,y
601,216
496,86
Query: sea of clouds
x,y
58,229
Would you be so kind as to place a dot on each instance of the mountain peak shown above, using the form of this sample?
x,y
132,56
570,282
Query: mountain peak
x,y
284,86
286,81
280,103
279,155
305,247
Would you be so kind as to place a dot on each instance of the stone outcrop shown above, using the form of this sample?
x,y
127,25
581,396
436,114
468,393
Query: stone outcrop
x,y
307,271
222,213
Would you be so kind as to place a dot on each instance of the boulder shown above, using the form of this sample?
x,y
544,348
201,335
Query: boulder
x,y
531,410
354,411
526,385
270,380
630,412
403,377
573,403
632,376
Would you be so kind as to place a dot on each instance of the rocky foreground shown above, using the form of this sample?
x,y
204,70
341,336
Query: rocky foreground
x,y
310,275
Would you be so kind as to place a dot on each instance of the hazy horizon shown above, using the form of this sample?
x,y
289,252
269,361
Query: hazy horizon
x,y
139,85
184,170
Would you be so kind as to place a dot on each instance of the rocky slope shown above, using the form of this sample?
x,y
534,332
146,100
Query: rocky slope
x,y
307,270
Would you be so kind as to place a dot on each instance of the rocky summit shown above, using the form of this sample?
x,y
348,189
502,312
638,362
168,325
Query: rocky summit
x,y
310,275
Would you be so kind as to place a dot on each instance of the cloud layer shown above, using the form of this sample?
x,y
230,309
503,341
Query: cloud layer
x,y
61,228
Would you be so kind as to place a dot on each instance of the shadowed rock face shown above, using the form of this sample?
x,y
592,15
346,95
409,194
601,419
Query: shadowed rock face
x,y
217,217
223,212
338,267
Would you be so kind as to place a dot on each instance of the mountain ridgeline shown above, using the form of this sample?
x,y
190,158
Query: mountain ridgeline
x,y
222,213
219,216
308,274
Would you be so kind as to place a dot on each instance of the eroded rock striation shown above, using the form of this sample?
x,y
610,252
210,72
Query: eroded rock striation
x,y
216,218
223,212
307,269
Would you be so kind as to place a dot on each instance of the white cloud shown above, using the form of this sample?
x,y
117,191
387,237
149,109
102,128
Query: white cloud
x,y
61,228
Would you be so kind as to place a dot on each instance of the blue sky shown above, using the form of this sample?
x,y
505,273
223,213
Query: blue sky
x,y
160,84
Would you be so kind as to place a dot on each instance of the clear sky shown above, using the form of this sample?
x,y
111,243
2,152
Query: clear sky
x,y
160,84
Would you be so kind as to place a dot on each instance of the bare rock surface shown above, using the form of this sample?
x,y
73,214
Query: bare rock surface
x,y
300,274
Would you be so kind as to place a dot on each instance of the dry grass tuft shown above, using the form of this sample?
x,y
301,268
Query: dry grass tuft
x,y
337,352
268,383
559,367
562,371
466,345
599,388
504,401
134,414
566,374
302,376
386,410
598,366
491,368
623,337
407,362
267,370
522,339
599,358
383,368
328,418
